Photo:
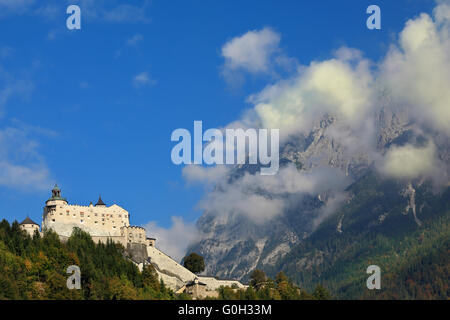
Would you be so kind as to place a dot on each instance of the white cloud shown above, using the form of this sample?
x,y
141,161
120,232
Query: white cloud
x,y
263,198
338,87
408,161
208,175
24,177
143,79
256,52
234,201
21,164
175,240
417,71
251,51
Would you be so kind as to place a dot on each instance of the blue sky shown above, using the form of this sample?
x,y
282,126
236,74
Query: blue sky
x,y
93,109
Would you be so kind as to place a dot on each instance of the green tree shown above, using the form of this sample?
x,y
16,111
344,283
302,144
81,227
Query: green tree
x,y
150,277
194,262
257,277
320,293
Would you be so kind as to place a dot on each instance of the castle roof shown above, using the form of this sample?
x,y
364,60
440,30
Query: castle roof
x,y
28,221
56,194
100,202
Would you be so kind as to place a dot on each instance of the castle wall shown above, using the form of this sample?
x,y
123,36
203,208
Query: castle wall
x,y
168,267
175,275
213,283
100,221
133,234
29,228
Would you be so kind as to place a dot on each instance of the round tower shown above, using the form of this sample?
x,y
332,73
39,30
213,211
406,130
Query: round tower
x,y
56,198
29,226
50,206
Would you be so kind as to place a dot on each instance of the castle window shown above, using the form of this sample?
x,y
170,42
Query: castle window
x,y
114,227
53,220
103,214
103,219
95,221
81,221
95,214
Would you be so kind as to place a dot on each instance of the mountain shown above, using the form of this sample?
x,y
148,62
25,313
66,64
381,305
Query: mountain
x,y
331,236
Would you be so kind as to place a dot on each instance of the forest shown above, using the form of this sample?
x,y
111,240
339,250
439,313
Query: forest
x,y
34,268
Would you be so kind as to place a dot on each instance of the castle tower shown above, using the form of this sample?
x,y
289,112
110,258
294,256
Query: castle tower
x,y
56,198
29,226
51,204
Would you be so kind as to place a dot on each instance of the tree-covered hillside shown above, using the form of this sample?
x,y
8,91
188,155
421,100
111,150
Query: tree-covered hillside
x,y
35,268
375,228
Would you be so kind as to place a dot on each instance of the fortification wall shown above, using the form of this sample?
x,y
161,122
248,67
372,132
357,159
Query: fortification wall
x,y
134,234
29,228
213,283
98,220
173,274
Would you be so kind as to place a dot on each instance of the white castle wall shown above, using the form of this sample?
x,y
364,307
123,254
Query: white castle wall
x,y
175,275
96,220
213,283
133,234
29,228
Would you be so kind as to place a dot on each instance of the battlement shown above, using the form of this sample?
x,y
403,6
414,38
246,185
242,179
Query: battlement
x,y
135,227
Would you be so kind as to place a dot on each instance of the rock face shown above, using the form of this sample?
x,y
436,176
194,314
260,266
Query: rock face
x,y
233,245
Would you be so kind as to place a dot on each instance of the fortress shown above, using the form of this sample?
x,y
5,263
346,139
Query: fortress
x,y
113,223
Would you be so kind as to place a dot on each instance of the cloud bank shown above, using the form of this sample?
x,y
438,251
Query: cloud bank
x,y
412,78
173,240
